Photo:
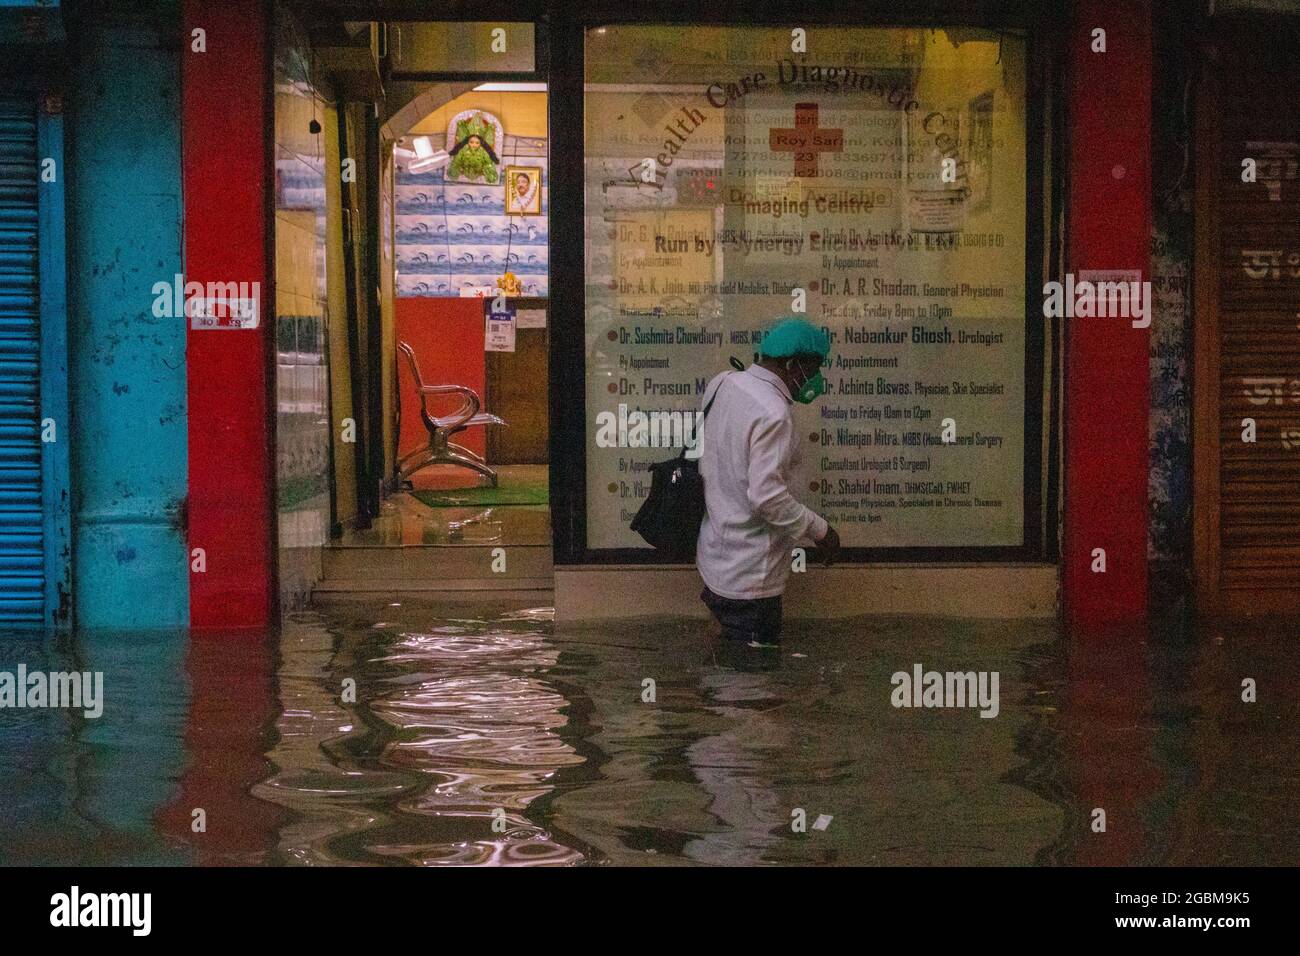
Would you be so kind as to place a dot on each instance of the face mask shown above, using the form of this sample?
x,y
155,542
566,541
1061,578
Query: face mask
x,y
810,389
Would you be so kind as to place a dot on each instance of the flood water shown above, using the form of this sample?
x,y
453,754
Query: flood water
x,y
480,735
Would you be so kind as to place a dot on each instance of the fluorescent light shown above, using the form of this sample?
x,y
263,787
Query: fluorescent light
x,y
425,156
510,88
435,160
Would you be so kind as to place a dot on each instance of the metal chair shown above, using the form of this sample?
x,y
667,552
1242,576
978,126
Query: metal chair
x,y
441,450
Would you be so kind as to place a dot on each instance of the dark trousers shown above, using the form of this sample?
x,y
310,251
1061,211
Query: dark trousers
x,y
756,619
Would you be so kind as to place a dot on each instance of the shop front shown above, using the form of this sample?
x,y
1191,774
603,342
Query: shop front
x,y
908,183
893,184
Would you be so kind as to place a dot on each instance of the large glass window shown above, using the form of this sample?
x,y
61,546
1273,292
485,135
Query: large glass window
x,y
878,181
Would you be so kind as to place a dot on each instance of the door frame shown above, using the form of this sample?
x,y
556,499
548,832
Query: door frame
x,y
1208,596
52,251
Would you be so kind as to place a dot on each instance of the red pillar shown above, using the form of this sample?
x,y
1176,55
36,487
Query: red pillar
x,y
226,122
1106,363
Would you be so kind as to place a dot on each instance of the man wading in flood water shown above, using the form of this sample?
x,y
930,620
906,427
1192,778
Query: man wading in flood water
x,y
748,447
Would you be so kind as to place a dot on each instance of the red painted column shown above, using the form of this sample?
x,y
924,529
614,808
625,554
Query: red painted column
x,y
226,123
1106,363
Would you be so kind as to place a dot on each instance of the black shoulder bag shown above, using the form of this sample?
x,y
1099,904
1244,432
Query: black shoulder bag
x,y
670,518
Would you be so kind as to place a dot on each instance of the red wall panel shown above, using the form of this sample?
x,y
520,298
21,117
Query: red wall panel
x,y
447,335
226,122
1106,363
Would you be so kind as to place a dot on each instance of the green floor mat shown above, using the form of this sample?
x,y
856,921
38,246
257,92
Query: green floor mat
x,y
514,493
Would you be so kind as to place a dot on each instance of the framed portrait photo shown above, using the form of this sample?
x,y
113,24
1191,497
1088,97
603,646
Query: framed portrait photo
x,y
523,190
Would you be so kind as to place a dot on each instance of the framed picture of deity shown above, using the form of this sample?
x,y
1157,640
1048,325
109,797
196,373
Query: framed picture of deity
x,y
474,141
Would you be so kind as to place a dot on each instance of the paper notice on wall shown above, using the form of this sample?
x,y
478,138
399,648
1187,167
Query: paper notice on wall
x,y
499,336
222,313
531,318
1110,275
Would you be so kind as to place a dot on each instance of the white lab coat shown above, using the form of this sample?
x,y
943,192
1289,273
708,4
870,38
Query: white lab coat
x,y
748,448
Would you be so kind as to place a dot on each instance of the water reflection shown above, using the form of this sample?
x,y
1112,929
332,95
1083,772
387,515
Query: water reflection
x,y
78,791
471,713
737,767
224,732
401,735
455,739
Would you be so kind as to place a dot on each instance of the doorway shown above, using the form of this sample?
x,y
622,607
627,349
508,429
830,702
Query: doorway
x,y
471,269
438,381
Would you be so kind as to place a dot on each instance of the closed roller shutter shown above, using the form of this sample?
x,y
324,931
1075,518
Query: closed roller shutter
x,y
1258,275
21,552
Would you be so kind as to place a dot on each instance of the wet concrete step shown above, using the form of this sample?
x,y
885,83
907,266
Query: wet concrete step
x,y
533,590
437,565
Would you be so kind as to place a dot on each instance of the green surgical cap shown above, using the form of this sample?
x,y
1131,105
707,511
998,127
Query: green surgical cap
x,y
795,336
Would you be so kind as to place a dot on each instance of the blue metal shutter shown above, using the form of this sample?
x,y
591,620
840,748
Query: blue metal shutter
x,y
22,576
